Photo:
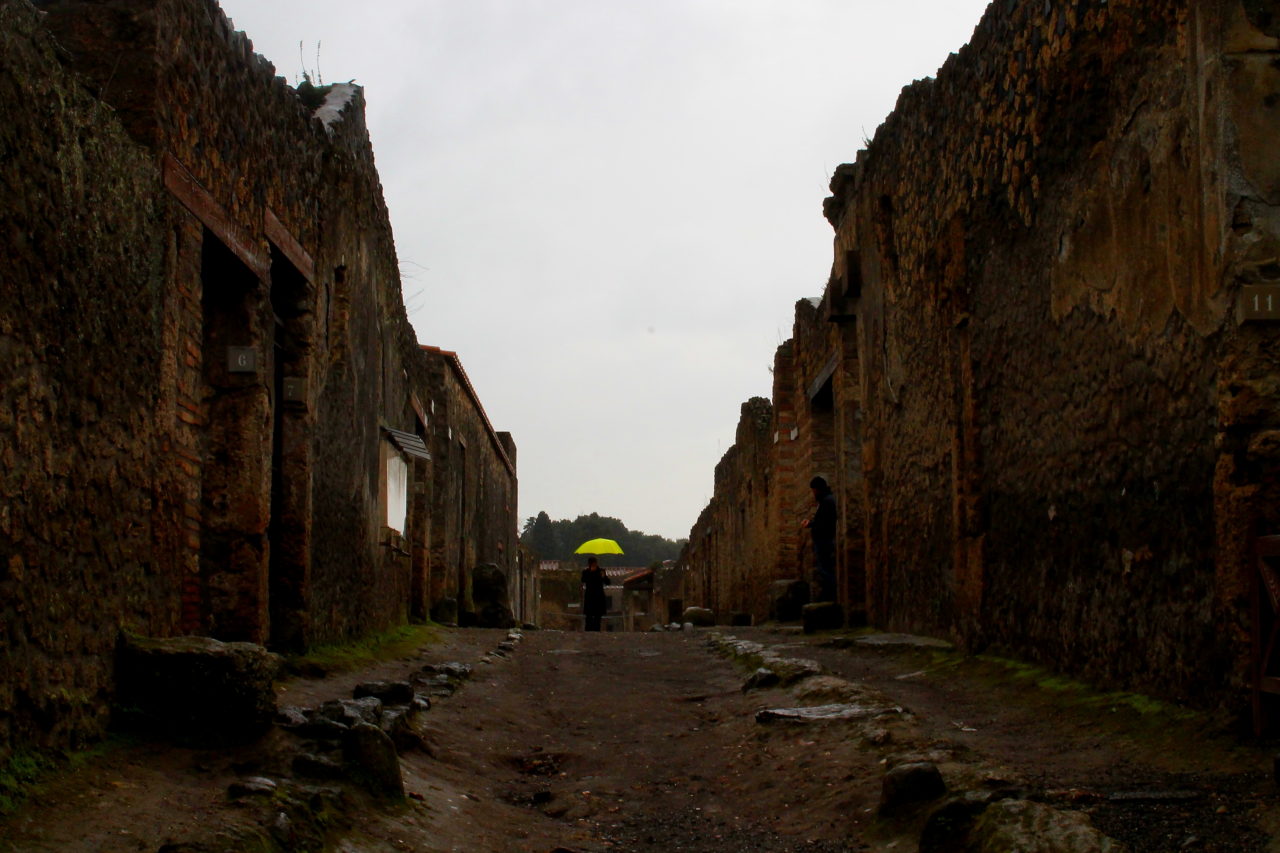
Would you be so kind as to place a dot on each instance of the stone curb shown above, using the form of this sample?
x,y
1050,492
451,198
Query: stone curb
x,y
954,815
344,742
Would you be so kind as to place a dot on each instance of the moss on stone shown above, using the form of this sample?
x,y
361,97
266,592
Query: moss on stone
x,y
341,657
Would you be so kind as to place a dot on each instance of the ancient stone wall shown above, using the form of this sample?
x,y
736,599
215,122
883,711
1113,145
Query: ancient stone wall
x,y
1054,376
750,534
217,417
259,173
82,226
745,524
474,486
786,494
1046,307
817,391
1039,236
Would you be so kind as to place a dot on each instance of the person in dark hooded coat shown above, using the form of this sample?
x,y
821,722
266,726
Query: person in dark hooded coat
x,y
594,600
823,529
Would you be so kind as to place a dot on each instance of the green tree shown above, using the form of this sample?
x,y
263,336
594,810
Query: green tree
x,y
557,540
540,534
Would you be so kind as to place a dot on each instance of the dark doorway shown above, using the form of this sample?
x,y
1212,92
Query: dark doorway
x,y
464,588
232,540
289,584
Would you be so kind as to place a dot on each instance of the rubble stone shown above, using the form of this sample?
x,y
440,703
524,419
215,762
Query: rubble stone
x,y
911,783
371,758
786,598
822,616
198,688
700,617
389,692
489,595
1037,828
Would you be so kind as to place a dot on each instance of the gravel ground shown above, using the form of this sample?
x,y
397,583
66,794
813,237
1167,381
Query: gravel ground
x,y
647,742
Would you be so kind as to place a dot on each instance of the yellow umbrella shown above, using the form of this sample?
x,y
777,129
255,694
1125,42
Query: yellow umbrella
x,y
599,546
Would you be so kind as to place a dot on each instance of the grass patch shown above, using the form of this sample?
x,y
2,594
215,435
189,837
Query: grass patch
x,y
21,775
1085,696
373,648
26,770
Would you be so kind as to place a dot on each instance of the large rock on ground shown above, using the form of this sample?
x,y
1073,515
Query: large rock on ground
x,y
371,758
349,712
760,679
390,692
947,828
197,688
790,670
822,616
700,617
445,611
786,598
1036,828
911,783
489,596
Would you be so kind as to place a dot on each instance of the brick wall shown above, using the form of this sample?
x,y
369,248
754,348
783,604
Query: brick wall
x,y
1057,416
750,533
86,530
474,488
731,554
1041,234
205,385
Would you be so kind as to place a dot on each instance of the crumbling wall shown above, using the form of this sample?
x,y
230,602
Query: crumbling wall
x,y
82,233
1048,240
787,495
366,574
474,484
818,393
286,251
731,555
750,534
209,357
1054,370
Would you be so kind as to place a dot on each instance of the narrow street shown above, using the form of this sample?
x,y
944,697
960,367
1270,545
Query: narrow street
x,y
647,742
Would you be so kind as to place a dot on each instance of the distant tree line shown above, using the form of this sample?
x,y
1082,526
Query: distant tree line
x,y
557,540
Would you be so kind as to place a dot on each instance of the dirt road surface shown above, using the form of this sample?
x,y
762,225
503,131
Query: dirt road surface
x,y
648,742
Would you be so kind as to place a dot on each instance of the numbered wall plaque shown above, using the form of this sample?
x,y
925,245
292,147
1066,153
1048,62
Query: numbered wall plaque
x,y
1259,302
295,389
242,360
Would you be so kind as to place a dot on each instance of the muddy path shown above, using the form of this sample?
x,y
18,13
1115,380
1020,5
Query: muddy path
x,y
593,742
647,742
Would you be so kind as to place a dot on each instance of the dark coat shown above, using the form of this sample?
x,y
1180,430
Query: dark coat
x,y
594,600
823,524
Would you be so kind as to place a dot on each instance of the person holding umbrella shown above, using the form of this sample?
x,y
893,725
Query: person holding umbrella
x,y
594,601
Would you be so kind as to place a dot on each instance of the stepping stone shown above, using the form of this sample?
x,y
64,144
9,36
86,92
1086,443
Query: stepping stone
x,y
911,640
822,713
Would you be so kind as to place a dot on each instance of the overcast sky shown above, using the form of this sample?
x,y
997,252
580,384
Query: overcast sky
x,y
608,208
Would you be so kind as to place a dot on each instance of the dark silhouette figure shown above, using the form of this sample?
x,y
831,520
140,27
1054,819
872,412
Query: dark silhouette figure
x,y
823,529
594,600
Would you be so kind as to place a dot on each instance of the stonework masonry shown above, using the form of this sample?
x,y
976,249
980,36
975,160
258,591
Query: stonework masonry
x,y
215,418
474,490
730,561
1054,410
750,534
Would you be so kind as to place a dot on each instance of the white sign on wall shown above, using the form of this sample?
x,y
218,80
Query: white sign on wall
x,y
397,492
